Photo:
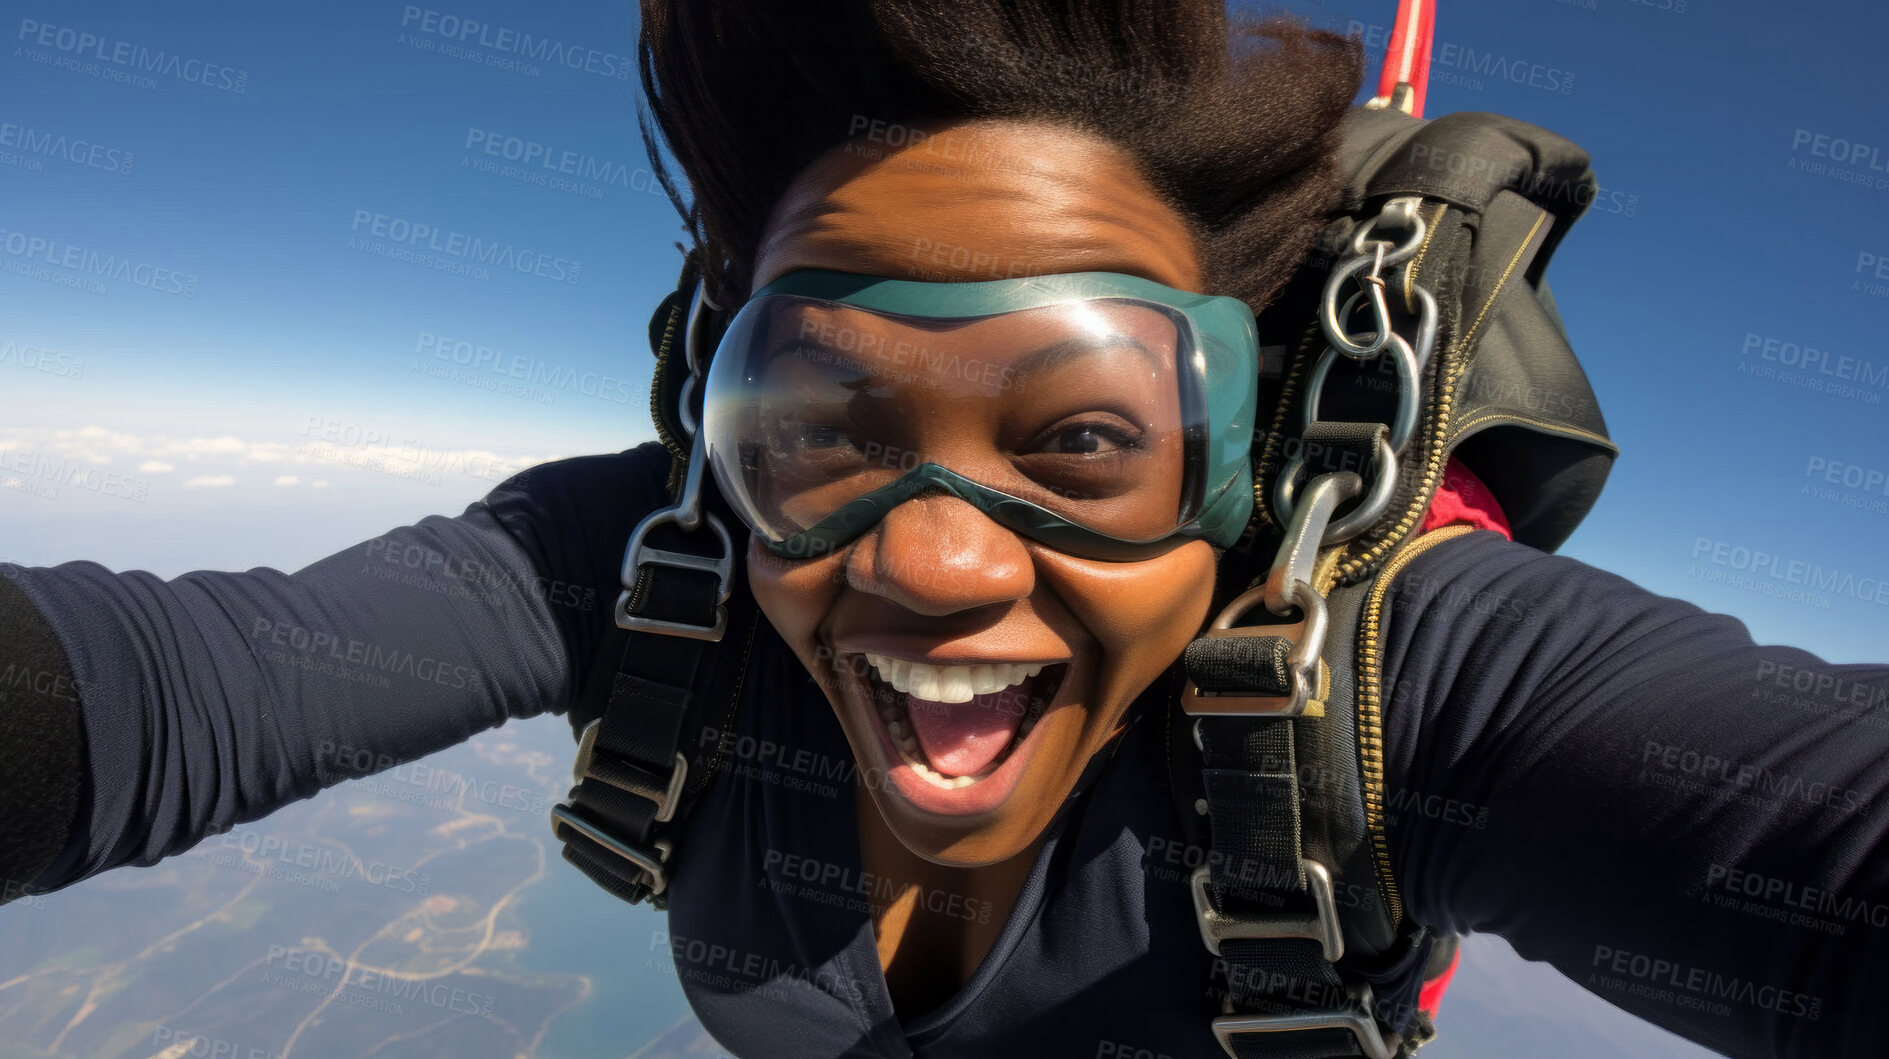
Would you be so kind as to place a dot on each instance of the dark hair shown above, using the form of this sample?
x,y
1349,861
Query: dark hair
x,y
1232,120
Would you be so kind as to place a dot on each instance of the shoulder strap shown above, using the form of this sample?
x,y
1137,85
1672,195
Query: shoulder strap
x,y
642,718
1317,956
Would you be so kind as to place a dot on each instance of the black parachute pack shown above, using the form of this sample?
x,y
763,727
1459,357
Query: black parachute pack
x,y
1441,242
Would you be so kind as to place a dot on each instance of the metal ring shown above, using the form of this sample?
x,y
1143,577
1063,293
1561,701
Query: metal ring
x,y
1344,313
1404,424
1368,510
1334,328
1408,217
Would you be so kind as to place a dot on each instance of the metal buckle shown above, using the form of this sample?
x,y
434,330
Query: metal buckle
x,y
688,516
666,799
1306,672
637,555
1358,1020
1321,925
1288,586
652,864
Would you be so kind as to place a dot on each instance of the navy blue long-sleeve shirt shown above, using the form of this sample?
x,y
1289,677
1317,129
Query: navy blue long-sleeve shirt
x,y
1687,824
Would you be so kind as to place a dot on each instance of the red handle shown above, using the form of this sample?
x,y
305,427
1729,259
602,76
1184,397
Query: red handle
x,y
1407,57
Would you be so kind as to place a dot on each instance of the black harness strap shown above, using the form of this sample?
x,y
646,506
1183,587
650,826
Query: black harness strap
x,y
630,770
1268,910
1258,874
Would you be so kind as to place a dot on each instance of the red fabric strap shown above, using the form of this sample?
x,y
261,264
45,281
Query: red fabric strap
x,y
1461,497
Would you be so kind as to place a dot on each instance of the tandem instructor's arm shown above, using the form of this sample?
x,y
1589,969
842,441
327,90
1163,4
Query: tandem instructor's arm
x,y
1692,826
139,715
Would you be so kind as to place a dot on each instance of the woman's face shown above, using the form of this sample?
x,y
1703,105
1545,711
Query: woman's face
x,y
937,601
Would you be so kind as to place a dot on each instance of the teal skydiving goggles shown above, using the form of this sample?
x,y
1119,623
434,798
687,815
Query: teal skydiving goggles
x,y
1103,415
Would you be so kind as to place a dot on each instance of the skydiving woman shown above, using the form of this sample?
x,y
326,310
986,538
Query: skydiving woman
x,y
988,398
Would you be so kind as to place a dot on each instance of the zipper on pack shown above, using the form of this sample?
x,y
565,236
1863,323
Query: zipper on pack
x,y
1371,715
678,455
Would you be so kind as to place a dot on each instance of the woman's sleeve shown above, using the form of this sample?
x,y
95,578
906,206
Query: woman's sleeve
x,y
139,715
1688,825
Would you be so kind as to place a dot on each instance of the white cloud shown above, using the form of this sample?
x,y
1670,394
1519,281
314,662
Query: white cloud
x,y
210,481
321,483
287,479
407,459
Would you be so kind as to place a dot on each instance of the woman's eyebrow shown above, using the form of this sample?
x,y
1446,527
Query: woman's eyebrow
x,y
1084,345
1055,355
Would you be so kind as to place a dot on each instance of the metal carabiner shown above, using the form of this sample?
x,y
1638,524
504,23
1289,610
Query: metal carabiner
x,y
1404,423
1329,315
1374,504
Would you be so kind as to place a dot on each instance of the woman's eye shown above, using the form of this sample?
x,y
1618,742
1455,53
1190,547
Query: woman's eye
x,y
809,435
1086,439
824,436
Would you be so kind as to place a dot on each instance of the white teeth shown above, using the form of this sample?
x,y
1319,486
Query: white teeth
x,y
950,683
947,684
955,684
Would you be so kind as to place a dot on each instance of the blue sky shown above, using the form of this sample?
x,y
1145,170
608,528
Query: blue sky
x,y
256,384
256,319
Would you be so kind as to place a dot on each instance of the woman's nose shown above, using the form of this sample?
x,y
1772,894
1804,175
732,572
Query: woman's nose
x,y
937,555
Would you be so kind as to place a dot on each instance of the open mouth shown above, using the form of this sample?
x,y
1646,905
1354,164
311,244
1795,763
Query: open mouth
x,y
955,726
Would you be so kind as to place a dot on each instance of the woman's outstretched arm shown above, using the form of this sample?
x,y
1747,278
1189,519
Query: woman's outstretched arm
x,y
1693,827
141,715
